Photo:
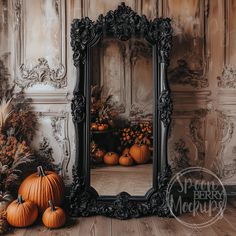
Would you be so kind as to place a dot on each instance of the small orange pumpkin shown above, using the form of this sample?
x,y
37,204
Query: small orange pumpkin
x,y
126,160
21,213
102,127
140,153
42,186
111,158
53,217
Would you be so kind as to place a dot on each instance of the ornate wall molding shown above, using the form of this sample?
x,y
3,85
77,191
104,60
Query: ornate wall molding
x,y
188,150
224,136
195,126
227,78
40,71
59,125
50,97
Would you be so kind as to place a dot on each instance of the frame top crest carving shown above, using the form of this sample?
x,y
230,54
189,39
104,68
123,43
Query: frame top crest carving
x,y
123,23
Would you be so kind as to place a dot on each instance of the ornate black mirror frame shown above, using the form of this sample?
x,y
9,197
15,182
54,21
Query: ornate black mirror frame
x,y
121,24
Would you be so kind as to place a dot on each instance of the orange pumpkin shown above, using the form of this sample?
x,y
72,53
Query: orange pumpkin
x,y
140,153
111,158
126,160
21,213
99,154
102,127
53,217
42,186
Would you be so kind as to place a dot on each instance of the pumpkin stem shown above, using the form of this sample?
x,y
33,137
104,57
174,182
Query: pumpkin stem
x,y
20,199
51,205
41,171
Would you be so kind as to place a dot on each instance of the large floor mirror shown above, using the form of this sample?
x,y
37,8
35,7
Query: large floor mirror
x,y
121,111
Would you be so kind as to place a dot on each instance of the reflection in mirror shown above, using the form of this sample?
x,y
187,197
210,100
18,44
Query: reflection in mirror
x,y
121,117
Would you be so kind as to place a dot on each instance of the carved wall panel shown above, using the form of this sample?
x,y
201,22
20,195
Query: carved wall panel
x,y
40,42
6,38
225,165
112,64
189,63
189,149
230,32
54,128
227,80
140,57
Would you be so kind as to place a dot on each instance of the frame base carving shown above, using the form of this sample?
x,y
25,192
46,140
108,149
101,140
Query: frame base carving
x,y
84,201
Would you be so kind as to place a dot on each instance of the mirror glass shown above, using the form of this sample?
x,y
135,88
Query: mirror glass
x,y
121,117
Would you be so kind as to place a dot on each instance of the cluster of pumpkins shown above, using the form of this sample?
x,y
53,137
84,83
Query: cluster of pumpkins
x,y
36,193
99,127
138,153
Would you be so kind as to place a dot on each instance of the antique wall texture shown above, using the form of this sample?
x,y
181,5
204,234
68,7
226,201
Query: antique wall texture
x,y
35,54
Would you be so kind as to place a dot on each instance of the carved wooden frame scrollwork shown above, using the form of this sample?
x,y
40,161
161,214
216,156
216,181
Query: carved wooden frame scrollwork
x,y
122,24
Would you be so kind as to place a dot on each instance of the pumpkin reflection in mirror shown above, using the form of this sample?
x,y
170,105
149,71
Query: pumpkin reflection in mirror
x,y
126,160
140,153
111,158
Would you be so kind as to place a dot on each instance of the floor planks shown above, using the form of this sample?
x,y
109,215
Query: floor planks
x,y
147,226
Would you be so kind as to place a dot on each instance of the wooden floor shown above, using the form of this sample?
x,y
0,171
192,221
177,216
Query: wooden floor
x,y
111,180
148,226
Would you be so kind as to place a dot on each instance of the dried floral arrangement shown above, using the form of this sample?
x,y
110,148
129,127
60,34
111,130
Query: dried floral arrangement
x,y
103,109
18,125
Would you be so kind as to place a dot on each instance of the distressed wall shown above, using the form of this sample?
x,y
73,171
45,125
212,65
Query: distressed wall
x,y
35,54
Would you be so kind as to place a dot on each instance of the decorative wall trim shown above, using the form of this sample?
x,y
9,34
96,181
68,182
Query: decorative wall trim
x,y
59,124
190,100
180,148
227,78
49,97
224,135
41,72
195,127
